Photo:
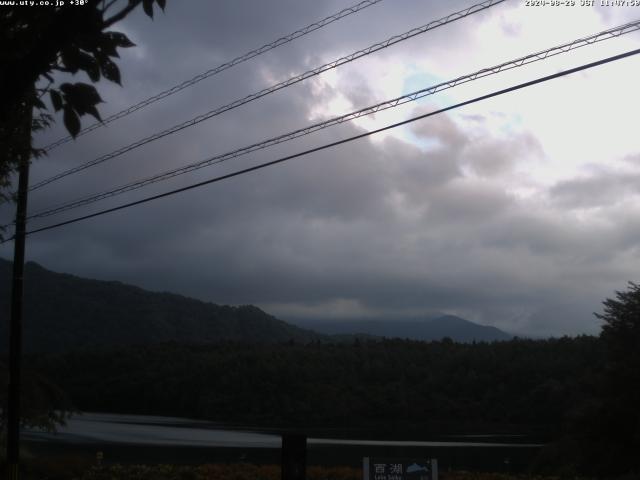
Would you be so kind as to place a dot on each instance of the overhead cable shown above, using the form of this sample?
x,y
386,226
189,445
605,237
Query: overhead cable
x,y
287,83
525,60
220,68
334,144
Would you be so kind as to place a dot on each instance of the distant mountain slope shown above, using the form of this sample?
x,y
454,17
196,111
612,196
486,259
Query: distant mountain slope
x,y
456,328
64,312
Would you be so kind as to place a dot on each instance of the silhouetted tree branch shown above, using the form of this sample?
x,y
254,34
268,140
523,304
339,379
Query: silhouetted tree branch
x,y
35,43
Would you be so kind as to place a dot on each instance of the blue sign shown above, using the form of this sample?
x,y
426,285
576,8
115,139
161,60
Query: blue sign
x,y
399,469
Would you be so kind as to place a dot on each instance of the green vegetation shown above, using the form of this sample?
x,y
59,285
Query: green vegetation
x,y
416,385
260,472
214,472
605,430
44,404
37,45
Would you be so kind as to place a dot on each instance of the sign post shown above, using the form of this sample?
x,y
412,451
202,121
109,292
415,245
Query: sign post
x,y
294,456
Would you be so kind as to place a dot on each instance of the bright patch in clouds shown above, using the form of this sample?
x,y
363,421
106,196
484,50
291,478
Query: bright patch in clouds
x,y
578,121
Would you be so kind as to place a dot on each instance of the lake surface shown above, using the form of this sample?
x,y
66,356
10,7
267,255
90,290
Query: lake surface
x,y
151,439
182,432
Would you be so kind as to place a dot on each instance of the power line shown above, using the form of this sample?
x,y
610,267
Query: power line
x,y
525,60
340,142
220,68
287,83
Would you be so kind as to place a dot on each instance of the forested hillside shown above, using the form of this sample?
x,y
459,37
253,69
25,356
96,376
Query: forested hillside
x,y
64,312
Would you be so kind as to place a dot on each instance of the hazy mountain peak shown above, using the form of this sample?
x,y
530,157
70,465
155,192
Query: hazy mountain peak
x,y
428,329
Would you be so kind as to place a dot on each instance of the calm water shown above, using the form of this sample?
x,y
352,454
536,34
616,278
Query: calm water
x,y
148,440
181,432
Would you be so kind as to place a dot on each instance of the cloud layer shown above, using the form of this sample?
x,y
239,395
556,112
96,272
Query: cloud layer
x,y
520,212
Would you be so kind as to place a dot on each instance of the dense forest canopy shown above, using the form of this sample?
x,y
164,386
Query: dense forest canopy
x,y
521,382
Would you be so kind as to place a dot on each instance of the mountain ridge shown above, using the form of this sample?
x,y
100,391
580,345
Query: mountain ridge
x,y
63,312
67,312
432,328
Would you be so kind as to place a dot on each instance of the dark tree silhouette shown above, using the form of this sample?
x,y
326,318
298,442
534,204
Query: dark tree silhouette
x,y
621,381
38,42
621,330
603,435
45,405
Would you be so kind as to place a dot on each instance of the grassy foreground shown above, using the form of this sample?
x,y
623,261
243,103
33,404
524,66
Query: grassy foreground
x,y
257,472
212,472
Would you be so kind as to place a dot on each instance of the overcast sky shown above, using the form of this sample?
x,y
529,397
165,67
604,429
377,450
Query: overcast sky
x,y
521,212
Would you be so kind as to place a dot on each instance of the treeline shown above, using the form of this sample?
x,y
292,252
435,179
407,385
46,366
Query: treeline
x,y
392,382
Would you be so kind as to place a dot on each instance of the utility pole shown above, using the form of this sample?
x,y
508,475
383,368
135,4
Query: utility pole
x,y
15,326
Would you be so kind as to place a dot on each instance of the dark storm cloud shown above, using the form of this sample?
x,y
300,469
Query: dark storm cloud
x,y
595,190
385,226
